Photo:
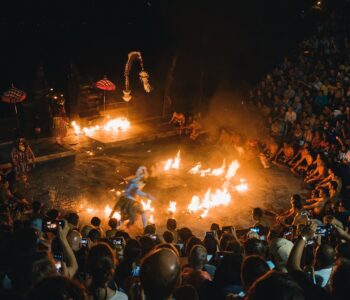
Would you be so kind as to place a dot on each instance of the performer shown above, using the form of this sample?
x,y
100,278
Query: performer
x,y
128,204
179,120
194,127
22,157
59,119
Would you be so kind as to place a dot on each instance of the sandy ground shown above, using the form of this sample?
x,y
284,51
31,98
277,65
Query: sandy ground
x,y
86,183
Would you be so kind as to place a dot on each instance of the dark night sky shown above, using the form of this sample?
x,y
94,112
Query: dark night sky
x,y
230,41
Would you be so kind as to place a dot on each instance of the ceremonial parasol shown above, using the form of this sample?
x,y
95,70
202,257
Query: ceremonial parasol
x,y
14,96
105,85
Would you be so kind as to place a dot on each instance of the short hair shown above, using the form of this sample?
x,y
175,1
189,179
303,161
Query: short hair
x,y
158,280
257,211
253,246
95,221
297,201
214,226
73,218
275,286
168,236
36,206
147,244
253,267
150,229
94,235
58,287
197,257
340,280
185,233
325,255
113,223
211,244
234,247
53,214
192,241
171,224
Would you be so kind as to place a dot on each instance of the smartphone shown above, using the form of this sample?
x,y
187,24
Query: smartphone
x,y
153,237
324,230
221,254
52,225
58,258
84,242
254,229
288,232
117,241
135,272
180,246
210,233
227,228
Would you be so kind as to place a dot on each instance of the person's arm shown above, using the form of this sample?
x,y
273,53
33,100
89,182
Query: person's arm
x,y
144,195
71,262
294,259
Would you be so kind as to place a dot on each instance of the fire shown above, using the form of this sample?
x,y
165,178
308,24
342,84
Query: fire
x,y
108,210
112,125
210,199
147,205
231,170
172,207
243,186
90,210
173,163
151,219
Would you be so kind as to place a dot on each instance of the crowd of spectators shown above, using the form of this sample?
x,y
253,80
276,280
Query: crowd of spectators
x,y
302,253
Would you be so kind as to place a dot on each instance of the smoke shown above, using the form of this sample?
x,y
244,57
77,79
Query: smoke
x,y
229,110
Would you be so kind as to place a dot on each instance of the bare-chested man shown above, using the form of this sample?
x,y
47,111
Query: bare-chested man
x,y
317,203
319,173
285,154
271,148
178,119
304,162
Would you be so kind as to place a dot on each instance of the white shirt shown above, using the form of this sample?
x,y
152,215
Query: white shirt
x,y
322,276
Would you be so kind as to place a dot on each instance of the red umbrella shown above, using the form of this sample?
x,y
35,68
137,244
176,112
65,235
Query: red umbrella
x,y
105,85
14,96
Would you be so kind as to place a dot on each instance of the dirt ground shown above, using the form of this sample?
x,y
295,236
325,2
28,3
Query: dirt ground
x,y
88,183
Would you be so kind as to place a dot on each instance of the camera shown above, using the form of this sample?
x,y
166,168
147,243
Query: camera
x,y
324,230
84,242
227,228
58,258
153,237
117,241
254,229
52,225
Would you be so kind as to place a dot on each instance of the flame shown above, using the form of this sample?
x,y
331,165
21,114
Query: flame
x,y
210,199
151,219
172,207
147,205
173,163
90,210
243,186
108,210
232,169
112,125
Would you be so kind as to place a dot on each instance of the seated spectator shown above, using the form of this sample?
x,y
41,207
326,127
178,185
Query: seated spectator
x,y
160,274
96,223
73,220
94,236
168,237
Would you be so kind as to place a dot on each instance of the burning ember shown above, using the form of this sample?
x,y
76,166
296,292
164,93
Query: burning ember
x,y
172,207
113,125
151,219
210,199
108,211
197,169
243,186
147,206
173,163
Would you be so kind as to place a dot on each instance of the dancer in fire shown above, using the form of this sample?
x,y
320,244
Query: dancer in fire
x,y
59,118
128,204
178,119
22,157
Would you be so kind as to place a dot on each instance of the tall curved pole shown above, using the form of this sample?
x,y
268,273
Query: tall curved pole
x,y
132,56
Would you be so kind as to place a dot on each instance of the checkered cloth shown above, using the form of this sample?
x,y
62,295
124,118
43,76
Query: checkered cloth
x,y
13,95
